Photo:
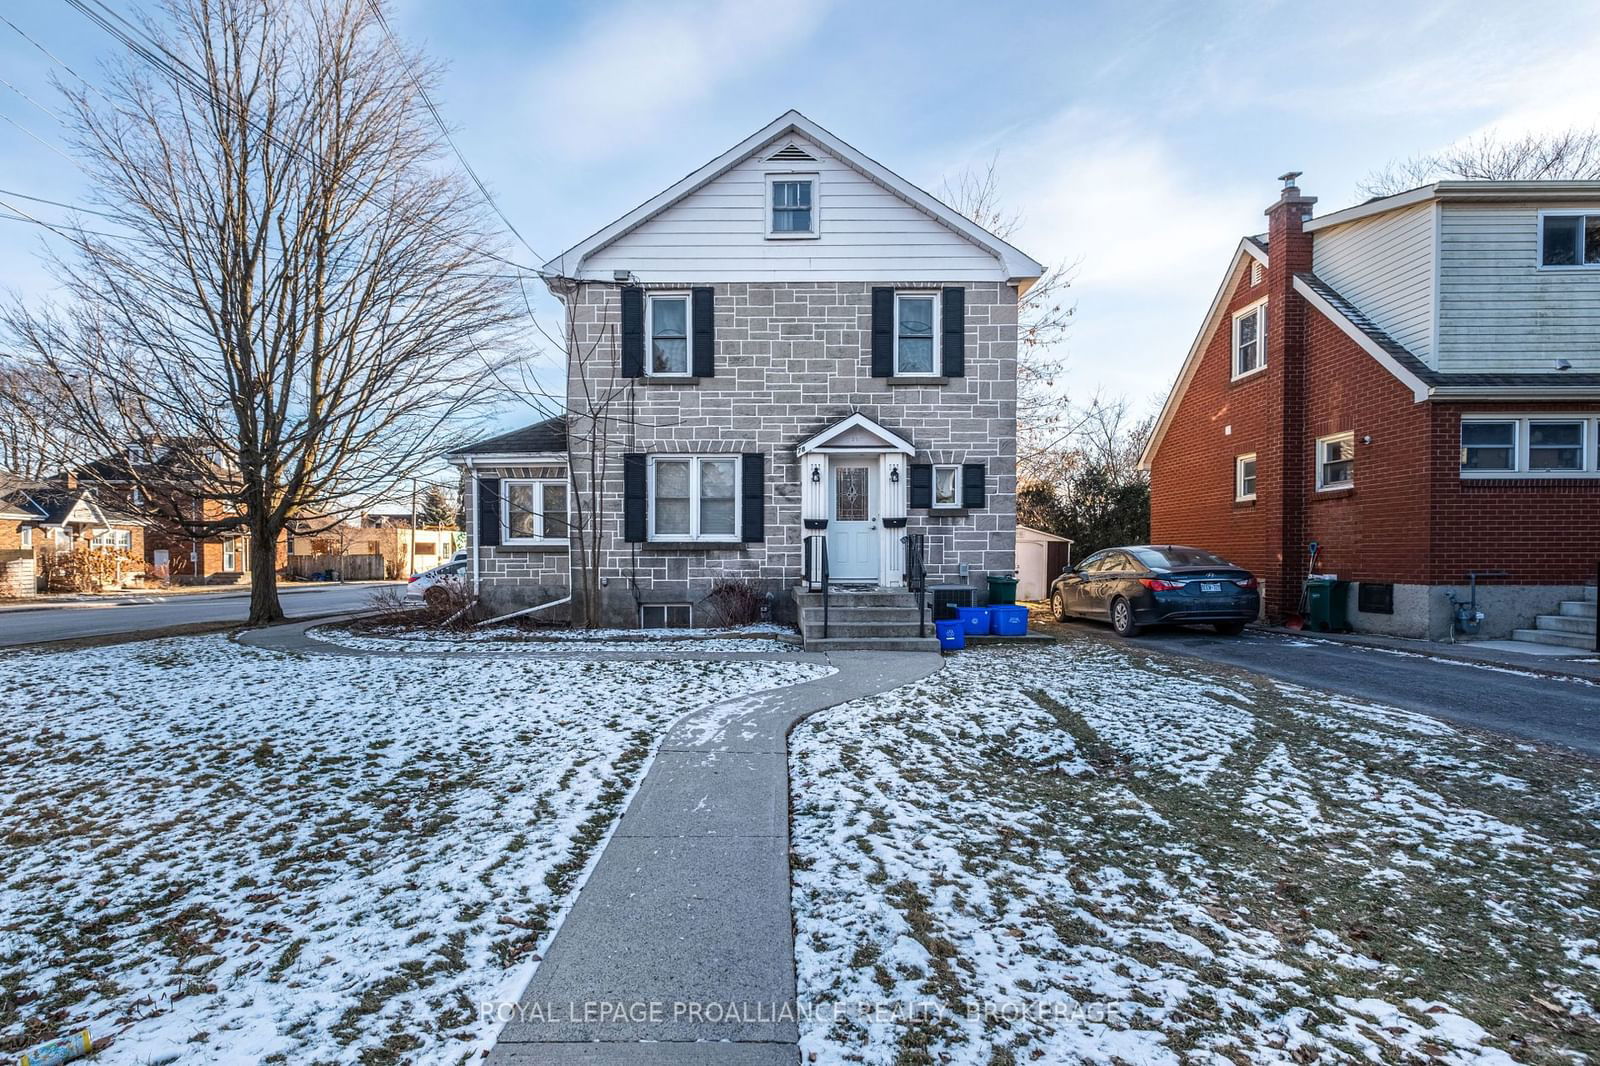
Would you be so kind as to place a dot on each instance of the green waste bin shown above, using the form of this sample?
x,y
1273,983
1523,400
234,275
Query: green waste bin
x,y
1002,589
1328,606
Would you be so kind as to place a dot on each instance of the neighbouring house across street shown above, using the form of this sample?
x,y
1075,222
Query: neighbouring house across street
x,y
1412,384
43,525
792,359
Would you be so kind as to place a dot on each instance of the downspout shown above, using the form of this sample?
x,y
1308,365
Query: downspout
x,y
476,520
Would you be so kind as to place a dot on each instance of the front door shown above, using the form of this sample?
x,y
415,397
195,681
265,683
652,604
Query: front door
x,y
853,521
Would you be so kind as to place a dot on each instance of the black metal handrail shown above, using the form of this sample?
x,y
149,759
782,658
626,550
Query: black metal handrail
x,y
917,576
820,552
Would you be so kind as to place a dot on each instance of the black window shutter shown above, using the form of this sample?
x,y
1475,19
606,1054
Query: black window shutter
x,y
953,348
705,333
632,331
920,490
489,512
752,519
972,484
883,333
633,497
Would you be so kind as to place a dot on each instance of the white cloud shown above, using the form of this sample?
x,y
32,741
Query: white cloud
x,y
630,74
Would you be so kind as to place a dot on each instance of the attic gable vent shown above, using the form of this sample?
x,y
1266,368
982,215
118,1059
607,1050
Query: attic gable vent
x,y
792,153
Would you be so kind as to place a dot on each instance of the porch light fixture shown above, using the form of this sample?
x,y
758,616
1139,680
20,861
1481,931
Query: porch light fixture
x,y
816,475
894,475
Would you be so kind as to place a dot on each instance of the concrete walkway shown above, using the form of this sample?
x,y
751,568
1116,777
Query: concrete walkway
x,y
679,949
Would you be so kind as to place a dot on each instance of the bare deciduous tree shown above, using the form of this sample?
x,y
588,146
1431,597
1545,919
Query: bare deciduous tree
x,y
1044,418
303,293
1566,154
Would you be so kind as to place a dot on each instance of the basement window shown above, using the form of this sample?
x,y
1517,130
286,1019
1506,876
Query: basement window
x,y
1569,239
665,616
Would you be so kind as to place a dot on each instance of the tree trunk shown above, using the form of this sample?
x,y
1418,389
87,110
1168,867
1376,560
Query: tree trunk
x,y
264,606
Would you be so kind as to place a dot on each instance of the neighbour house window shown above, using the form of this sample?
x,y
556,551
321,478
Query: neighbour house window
x,y
1336,466
1569,240
1555,445
1244,478
119,539
230,555
694,498
947,486
1508,445
669,333
1250,340
665,616
532,511
914,316
26,533
792,208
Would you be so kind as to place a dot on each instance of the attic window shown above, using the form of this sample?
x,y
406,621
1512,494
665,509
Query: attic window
x,y
791,153
792,205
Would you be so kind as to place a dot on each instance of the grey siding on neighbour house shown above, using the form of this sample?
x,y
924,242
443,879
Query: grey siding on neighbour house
x,y
1498,310
792,359
1385,266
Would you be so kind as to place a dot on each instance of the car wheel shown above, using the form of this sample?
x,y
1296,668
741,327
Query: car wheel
x,y
1058,605
1122,618
436,598
1230,629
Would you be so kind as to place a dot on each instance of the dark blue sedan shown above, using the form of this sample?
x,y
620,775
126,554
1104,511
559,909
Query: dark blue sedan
x,y
1156,584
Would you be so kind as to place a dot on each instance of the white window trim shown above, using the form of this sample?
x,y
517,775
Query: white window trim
x,y
938,318
650,299
230,555
934,503
1261,343
505,510
26,535
1523,443
1569,212
1238,477
694,535
816,206
1349,438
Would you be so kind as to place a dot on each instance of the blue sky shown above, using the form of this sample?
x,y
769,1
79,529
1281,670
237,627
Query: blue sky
x,y
1139,141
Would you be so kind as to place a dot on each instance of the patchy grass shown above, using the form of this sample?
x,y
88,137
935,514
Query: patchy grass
x,y
306,859
1094,854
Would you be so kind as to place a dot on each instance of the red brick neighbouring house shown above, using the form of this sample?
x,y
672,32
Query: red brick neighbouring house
x,y
1413,384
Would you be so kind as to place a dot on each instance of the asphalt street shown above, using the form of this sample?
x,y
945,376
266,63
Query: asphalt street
x,y
94,619
1519,703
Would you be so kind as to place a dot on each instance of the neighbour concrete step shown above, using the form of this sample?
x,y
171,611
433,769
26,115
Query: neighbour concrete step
x,y
874,644
1564,623
1578,608
852,627
1581,641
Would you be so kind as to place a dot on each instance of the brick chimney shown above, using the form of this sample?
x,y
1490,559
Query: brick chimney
x,y
1288,254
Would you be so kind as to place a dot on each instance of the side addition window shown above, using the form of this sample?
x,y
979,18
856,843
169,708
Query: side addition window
x,y
534,510
1569,240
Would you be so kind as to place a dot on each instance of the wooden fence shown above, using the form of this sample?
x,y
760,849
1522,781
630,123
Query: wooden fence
x,y
348,567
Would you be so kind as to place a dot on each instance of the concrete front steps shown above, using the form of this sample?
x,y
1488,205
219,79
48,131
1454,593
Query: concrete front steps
x,y
1572,626
876,620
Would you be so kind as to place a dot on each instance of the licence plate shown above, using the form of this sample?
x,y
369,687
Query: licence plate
x,y
1210,586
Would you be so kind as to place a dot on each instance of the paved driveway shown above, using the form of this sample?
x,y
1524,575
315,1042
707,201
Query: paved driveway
x,y
28,625
1522,704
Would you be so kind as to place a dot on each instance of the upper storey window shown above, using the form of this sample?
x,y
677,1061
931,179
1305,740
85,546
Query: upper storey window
x,y
1250,339
1569,239
792,205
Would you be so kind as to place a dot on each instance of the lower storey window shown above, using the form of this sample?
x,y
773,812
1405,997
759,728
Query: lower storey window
x,y
665,616
1244,478
947,486
1336,462
694,498
118,539
1513,445
533,510
232,554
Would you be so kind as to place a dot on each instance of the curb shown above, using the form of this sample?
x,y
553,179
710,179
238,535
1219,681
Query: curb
x,y
1432,650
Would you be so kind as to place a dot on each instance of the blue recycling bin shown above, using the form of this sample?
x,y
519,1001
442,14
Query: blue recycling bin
x,y
952,636
975,620
1008,621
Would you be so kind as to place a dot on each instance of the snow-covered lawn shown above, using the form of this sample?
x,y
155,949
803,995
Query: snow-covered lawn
x,y
754,640
1094,854
256,858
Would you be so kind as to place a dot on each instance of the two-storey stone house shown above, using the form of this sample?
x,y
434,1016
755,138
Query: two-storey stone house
x,y
1413,384
792,351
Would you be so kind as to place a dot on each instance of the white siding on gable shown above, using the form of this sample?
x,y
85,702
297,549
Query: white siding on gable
x,y
867,233
1384,265
1500,312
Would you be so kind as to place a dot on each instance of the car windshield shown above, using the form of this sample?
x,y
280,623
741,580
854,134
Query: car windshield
x,y
1172,556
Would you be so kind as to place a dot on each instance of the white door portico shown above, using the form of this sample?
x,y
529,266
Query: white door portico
x,y
853,481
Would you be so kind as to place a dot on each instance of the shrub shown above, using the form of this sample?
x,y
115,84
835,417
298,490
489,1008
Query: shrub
x,y
735,602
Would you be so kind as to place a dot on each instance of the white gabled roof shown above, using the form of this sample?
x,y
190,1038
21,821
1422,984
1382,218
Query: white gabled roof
x,y
1249,248
847,429
1020,268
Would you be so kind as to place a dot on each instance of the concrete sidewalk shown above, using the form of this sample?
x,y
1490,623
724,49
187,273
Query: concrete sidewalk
x,y
682,935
